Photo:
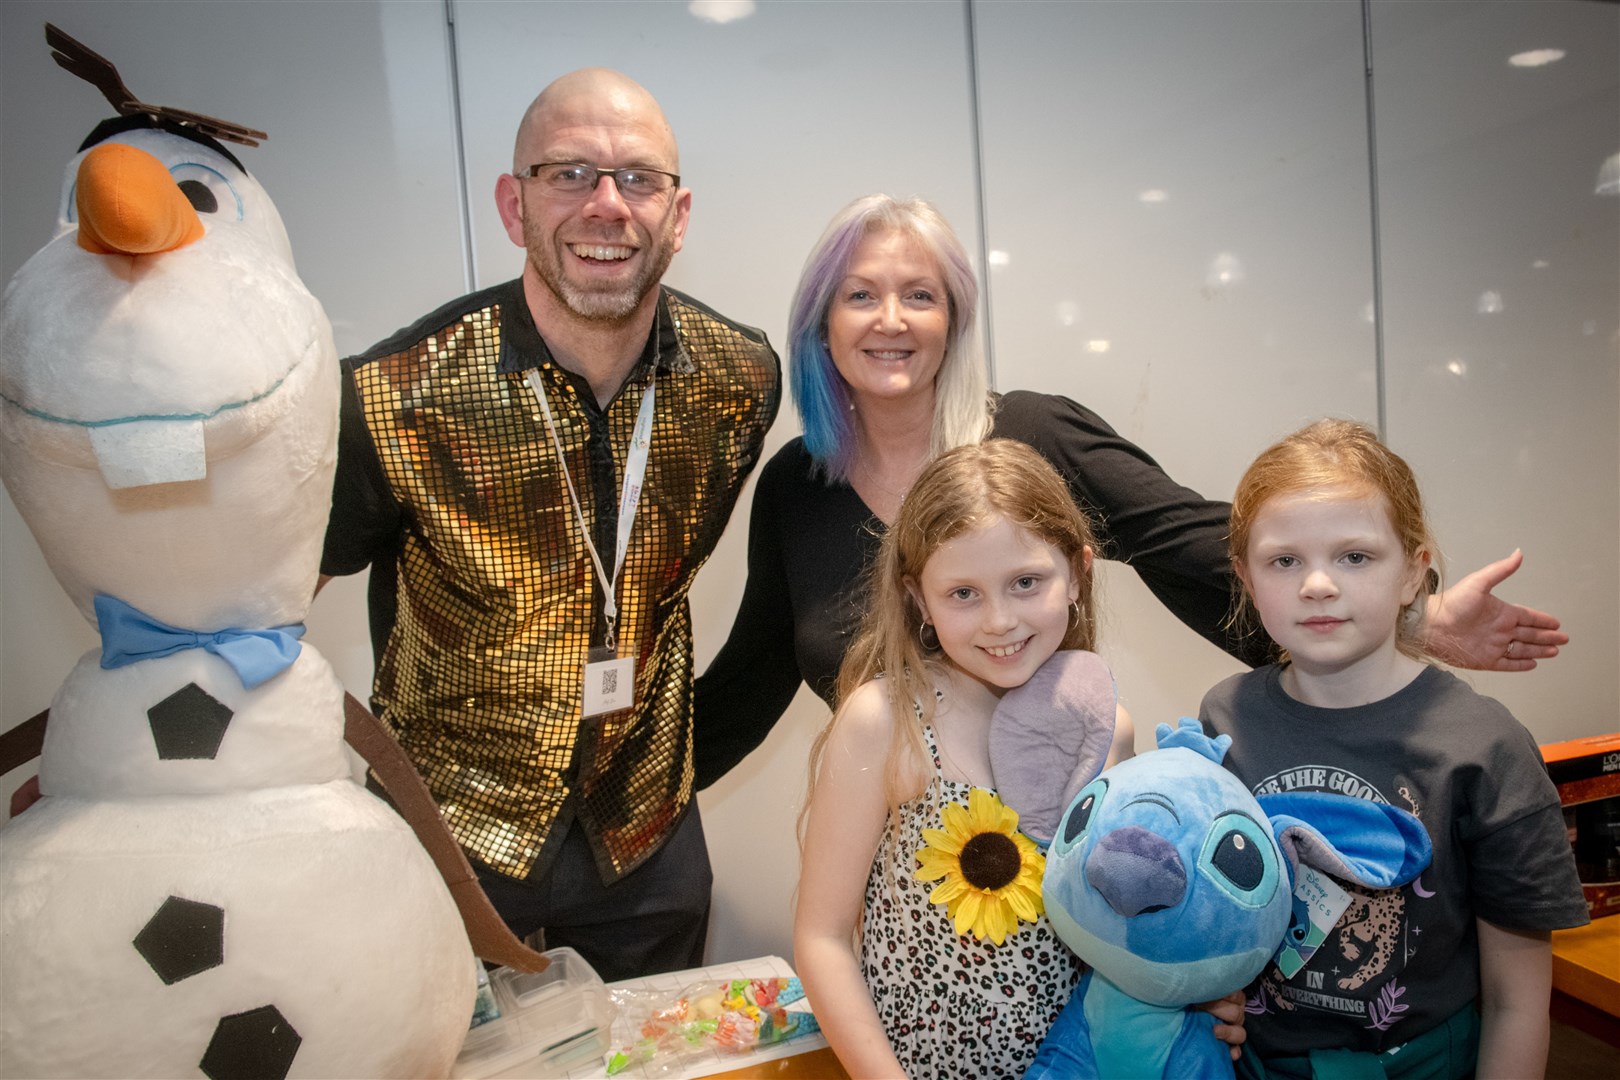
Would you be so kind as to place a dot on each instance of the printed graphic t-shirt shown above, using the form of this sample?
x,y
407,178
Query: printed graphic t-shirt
x,y
1400,961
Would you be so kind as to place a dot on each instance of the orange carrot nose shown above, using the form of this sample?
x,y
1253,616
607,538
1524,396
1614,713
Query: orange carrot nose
x,y
129,204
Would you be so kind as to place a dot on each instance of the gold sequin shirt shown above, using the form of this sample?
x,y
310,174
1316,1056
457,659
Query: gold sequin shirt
x,y
483,599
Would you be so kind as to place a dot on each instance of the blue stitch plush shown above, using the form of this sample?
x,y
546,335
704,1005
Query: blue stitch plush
x,y
1165,875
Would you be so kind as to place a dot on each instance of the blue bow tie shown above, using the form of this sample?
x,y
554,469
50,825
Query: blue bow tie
x,y
129,635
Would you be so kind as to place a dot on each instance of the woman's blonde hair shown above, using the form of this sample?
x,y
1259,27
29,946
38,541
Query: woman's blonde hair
x,y
963,489
962,403
1339,454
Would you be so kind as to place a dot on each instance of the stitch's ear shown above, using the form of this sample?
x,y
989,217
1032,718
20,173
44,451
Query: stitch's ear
x,y
1374,844
1190,734
1050,737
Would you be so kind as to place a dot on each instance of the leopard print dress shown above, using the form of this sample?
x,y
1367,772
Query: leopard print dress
x,y
953,1006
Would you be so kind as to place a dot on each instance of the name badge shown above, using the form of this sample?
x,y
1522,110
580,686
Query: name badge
x,y
610,683
1318,903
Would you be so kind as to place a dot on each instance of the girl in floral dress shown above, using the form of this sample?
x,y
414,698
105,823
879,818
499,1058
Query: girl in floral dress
x,y
984,575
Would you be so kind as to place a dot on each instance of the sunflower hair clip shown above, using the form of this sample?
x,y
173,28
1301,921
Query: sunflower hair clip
x,y
989,873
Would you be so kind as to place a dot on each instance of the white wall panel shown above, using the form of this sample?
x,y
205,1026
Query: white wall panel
x,y
1234,304
1502,327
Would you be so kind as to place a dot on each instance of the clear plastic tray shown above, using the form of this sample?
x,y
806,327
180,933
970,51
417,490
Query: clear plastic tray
x,y
555,1020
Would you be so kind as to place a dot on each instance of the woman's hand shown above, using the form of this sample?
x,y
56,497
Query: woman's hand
x,y
1228,1014
1466,626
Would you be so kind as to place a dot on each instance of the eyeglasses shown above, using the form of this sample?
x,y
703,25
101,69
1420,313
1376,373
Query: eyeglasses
x,y
574,179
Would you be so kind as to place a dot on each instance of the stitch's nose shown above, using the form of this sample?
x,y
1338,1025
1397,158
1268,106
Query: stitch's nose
x,y
1136,871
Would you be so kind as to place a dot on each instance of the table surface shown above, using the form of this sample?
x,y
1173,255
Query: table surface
x,y
1586,963
819,1064
1586,966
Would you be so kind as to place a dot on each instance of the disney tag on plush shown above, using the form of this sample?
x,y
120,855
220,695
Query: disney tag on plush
x,y
1318,903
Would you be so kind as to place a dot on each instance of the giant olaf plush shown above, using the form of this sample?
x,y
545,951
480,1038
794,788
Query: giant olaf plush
x,y
203,889
1164,874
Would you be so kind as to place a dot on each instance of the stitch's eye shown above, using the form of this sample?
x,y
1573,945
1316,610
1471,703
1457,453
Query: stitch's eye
x,y
1079,819
1240,857
1081,811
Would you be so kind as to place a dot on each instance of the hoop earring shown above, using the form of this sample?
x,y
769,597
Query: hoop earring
x,y
1074,606
932,633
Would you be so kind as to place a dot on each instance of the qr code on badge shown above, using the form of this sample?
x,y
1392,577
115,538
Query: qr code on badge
x,y
610,681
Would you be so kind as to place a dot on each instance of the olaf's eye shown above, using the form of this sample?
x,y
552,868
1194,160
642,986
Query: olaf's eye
x,y
207,189
197,194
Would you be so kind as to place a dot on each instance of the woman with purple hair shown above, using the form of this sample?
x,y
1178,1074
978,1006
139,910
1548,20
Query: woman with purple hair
x,y
887,372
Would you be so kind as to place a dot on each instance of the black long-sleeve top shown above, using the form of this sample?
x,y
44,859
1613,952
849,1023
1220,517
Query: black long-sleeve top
x,y
809,542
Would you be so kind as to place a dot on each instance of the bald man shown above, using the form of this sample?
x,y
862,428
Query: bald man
x,y
535,473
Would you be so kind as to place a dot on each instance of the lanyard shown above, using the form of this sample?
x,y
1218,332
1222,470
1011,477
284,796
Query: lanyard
x,y
635,468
